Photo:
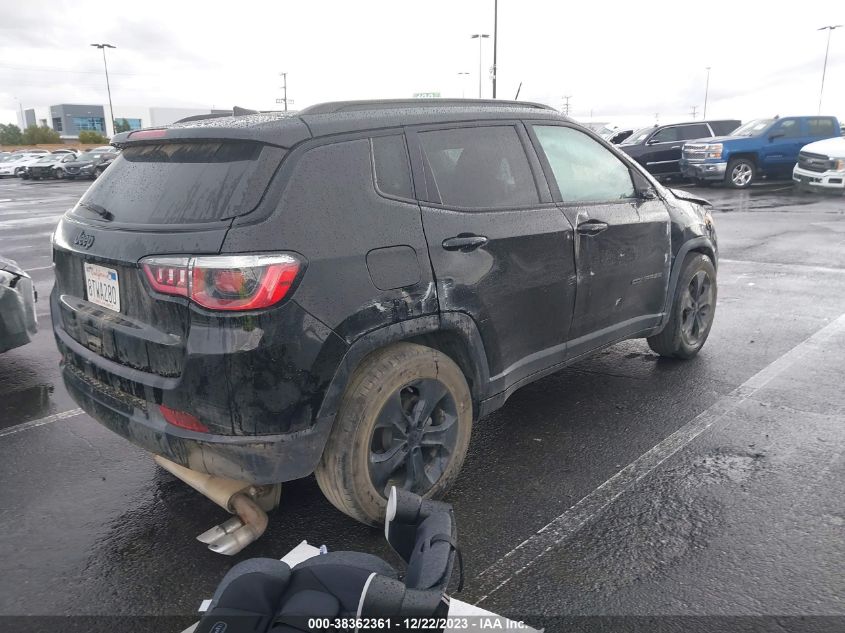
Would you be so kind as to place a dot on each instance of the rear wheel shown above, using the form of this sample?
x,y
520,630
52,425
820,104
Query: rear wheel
x,y
692,312
405,421
741,173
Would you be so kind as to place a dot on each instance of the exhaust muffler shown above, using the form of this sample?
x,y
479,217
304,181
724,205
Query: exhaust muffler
x,y
249,503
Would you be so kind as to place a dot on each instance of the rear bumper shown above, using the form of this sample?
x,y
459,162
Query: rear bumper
x,y
833,181
259,459
704,171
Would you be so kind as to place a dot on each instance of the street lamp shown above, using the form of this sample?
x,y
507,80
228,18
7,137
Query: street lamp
x,y
463,79
826,51
103,48
706,92
479,37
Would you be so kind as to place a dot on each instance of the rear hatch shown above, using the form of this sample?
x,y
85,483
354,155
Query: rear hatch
x,y
164,197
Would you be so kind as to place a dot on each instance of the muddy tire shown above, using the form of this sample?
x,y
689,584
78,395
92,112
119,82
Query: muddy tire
x,y
405,420
692,311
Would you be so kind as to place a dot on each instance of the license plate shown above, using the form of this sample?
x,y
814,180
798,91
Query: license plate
x,y
102,286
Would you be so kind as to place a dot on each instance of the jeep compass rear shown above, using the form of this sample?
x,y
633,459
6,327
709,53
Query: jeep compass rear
x,y
165,340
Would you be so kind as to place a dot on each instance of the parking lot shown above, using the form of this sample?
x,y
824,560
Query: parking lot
x,y
625,485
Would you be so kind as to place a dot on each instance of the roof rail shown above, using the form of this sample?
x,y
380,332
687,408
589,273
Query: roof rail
x,y
333,107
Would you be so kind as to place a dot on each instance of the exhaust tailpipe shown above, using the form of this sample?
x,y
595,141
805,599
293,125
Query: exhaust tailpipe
x,y
246,501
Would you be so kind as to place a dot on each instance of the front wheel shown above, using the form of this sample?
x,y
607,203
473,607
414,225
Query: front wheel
x,y
98,172
59,173
741,173
405,420
692,311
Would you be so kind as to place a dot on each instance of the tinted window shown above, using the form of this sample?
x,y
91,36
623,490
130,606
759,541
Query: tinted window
x,y
690,132
790,128
483,167
822,127
175,183
393,172
585,170
666,135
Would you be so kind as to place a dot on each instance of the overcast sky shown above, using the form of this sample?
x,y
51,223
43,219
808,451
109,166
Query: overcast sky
x,y
620,61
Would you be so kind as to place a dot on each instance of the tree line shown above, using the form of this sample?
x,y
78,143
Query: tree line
x,y
11,134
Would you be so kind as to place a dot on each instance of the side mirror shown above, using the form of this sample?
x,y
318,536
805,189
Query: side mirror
x,y
652,141
775,135
647,194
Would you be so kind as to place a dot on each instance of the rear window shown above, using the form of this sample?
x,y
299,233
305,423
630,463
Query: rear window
x,y
821,127
183,183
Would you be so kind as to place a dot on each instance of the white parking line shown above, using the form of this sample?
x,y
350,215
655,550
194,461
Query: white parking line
x,y
64,415
516,561
793,267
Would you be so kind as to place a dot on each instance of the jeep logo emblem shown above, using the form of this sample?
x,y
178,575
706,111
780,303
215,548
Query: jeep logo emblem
x,y
84,240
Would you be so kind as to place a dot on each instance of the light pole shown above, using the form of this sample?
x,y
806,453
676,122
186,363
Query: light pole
x,y
480,37
829,29
103,48
463,79
285,88
706,93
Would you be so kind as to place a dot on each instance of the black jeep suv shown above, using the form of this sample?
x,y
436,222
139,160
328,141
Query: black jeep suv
x,y
345,290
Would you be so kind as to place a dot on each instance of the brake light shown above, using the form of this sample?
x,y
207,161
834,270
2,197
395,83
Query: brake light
x,y
182,419
236,282
141,135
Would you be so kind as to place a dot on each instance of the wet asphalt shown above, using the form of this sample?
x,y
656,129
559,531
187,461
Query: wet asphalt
x,y
733,505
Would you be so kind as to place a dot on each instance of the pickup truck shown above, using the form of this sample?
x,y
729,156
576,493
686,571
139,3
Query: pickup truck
x,y
760,148
821,166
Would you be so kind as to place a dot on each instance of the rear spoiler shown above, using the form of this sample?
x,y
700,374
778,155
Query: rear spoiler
x,y
272,128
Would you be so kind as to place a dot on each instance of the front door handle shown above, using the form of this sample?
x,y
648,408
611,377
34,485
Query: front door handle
x,y
676,147
592,227
465,242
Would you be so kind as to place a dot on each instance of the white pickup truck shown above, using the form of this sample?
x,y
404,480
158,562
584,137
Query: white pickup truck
x,y
821,166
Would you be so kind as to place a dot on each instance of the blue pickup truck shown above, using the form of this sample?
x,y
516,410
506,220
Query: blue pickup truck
x,y
760,148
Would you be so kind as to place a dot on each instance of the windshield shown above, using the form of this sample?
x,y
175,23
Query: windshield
x,y
752,128
183,183
48,159
90,156
638,136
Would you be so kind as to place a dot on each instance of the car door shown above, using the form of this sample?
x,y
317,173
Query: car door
x,y
501,249
622,237
663,151
781,145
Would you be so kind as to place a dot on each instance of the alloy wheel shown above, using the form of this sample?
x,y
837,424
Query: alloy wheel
x,y
414,437
742,174
697,308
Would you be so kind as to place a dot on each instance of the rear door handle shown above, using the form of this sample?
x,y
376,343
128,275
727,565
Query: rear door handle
x,y
592,227
465,242
676,147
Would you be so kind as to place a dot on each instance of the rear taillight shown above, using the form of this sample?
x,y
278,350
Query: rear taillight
x,y
168,275
225,282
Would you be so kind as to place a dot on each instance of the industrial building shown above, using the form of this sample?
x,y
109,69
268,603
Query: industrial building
x,y
70,119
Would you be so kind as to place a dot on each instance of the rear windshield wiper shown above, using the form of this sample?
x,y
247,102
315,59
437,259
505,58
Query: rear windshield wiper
x,y
96,208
